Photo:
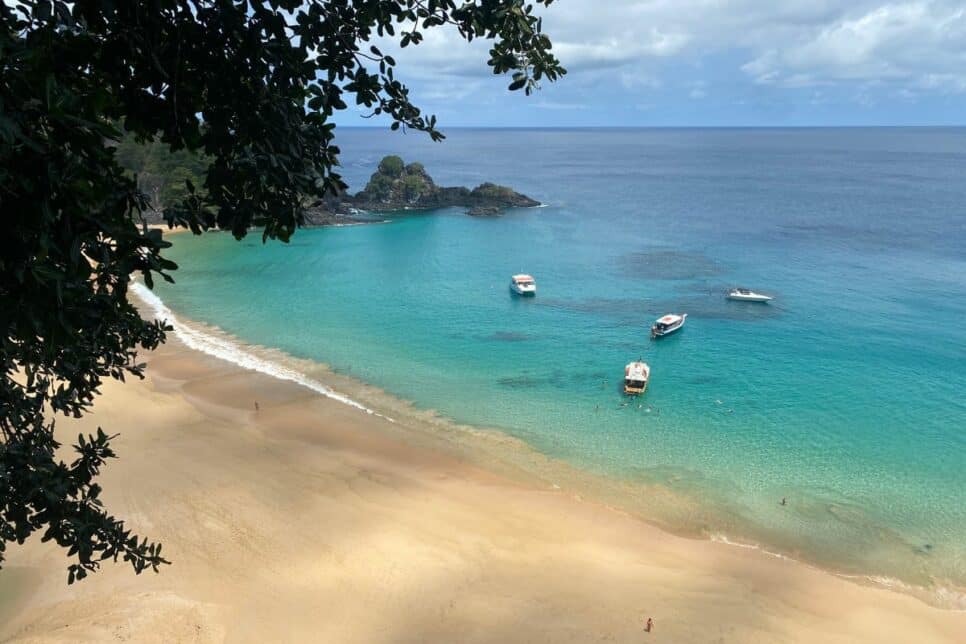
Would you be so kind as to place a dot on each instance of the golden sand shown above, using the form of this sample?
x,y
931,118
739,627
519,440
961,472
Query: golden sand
x,y
309,520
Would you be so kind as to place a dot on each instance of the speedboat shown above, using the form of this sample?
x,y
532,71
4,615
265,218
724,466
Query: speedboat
x,y
668,324
636,375
523,285
746,295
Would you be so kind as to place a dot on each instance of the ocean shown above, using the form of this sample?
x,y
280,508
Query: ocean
x,y
846,395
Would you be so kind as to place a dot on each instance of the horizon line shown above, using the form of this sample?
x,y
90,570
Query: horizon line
x,y
668,127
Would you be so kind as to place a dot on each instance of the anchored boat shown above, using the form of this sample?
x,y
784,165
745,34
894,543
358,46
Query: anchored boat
x,y
668,324
636,376
523,285
747,295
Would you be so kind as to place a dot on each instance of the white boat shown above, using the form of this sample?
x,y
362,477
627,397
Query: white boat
x,y
746,295
668,324
523,284
636,375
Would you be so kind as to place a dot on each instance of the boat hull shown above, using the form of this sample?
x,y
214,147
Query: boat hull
x,y
740,297
522,292
655,334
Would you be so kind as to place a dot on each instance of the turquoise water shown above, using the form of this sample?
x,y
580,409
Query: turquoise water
x,y
845,395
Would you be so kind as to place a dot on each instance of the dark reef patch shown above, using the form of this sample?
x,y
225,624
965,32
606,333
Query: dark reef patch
x,y
698,301
668,264
556,379
508,336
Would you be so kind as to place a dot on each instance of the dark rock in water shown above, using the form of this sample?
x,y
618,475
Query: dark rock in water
x,y
322,217
484,211
397,186
333,211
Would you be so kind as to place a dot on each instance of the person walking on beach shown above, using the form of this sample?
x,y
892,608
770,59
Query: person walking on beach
x,y
649,625
783,500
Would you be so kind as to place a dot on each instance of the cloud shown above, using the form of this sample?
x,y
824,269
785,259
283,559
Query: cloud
x,y
633,78
616,51
718,61
790,43
555,105
921,44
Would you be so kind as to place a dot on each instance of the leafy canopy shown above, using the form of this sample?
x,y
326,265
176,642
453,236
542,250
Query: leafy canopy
x,y
250,86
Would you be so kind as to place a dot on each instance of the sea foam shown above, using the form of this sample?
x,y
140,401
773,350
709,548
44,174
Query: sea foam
x,y
219,346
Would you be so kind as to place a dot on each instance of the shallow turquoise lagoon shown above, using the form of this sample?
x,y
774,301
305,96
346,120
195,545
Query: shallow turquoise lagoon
x,y
845,395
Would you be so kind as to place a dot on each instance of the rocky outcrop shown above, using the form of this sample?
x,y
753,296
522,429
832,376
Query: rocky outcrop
x,y
398,186
320,216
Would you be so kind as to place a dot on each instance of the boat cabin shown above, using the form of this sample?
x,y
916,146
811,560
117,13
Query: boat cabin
x,y
523,284
636,375
667,324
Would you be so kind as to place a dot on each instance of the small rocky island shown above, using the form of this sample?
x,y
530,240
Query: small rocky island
x,y
397,185
400,186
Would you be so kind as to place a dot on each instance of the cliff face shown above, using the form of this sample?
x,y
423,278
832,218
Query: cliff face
x,y
397,186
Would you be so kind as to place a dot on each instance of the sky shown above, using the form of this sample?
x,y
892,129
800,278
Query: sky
x,y
710,63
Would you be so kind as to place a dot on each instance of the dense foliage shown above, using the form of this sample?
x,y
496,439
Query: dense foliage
x,y
395,181
249,86
162,174
391,166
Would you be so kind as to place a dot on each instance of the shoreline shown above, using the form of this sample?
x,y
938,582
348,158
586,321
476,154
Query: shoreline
x,y
308,519
500,452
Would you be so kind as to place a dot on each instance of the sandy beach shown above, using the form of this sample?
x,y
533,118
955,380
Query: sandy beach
x,y
308,520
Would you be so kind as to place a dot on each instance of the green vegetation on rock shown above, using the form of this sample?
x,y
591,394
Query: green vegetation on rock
x,y
397,186
391,166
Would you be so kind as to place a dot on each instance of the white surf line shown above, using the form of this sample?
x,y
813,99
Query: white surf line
x,y
231,352
948,599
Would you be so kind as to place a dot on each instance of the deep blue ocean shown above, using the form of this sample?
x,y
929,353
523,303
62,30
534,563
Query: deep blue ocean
x,y
846,395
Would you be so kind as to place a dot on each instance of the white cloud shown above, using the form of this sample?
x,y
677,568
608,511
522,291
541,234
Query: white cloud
x,y
793,43
555,105
633,78
654,47
914,44
698,90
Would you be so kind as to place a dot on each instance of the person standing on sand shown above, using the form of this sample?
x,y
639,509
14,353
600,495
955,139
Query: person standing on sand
x,y
649,625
